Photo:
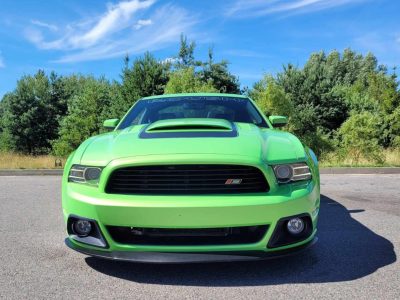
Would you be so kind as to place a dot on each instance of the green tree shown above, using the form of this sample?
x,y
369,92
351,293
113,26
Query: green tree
x,y
208,71
186,81
377,93
86,113
219,75
330,88
384,90
31,117
303,121
391,129
185,58
147,76
330,96
271,97
317,83
6,139
359,137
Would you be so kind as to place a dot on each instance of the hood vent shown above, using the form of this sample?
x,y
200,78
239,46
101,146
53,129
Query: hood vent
x,y
177,128
190,124
173,127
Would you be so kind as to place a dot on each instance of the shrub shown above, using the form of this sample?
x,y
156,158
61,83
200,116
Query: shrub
x,y
358,138
186,81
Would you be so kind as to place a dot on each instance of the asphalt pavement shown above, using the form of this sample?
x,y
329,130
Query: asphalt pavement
x,y
355,257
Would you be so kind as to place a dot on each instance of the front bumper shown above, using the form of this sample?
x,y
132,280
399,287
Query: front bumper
x,y
190,212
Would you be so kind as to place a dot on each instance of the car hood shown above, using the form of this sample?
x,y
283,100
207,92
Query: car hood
x,y
192,137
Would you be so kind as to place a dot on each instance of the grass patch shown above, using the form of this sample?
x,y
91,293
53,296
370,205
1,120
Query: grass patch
x,y
20,161
391,159
9,160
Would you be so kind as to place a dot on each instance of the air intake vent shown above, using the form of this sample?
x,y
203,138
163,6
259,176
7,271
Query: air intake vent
x,y
190,124
187,180
189,127
186,236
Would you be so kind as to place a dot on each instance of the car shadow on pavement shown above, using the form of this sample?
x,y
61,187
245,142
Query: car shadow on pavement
x,y
346,250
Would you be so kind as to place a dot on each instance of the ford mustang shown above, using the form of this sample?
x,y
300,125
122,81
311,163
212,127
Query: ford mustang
x,y
191,178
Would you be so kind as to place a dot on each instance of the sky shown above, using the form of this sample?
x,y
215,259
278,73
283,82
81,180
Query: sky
x,y
255,36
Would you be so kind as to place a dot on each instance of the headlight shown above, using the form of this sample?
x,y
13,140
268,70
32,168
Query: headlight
x,y
84,174
292,172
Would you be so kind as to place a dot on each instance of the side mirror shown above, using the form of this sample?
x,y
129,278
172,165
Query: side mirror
x,y
278,121
110,123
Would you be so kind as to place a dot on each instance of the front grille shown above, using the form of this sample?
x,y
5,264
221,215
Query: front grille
x,y
187,237
187,180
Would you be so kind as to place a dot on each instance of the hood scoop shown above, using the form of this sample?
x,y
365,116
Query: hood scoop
x,y
190,124
186,128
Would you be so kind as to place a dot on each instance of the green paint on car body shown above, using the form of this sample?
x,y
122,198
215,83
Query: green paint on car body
x,y
259,146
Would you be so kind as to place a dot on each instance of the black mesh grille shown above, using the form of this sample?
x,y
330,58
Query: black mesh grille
x,y
187,180
186,236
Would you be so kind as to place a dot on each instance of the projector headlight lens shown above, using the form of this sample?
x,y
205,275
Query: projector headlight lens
x,y
92,173
84,174
283,172
292,172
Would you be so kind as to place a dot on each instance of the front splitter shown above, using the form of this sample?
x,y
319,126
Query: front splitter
x,y
188,257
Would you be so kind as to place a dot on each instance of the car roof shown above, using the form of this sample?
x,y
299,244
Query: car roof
x,y
194,95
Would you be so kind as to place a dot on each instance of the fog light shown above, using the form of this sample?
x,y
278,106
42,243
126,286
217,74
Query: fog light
x,y
82,227
295,226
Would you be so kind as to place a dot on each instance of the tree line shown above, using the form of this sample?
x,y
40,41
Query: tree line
x,y
344,102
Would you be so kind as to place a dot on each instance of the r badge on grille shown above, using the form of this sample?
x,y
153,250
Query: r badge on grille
x,y
233,181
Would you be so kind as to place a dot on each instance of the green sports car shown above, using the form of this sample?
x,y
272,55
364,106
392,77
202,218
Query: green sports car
x,y
191,178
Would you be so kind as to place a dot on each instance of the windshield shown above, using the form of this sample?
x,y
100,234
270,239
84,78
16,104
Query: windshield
x,y
217,107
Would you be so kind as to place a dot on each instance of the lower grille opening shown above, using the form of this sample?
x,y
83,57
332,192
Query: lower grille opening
x,y
186,236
